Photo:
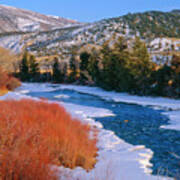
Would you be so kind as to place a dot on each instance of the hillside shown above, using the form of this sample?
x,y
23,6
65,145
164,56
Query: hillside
x,y
153,23
157,34
19,20
160,31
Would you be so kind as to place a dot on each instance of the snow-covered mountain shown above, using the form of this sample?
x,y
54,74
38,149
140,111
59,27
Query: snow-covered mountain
x,y
19,20
47,36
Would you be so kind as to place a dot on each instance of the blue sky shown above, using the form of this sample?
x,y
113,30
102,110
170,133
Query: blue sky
x,y
92,10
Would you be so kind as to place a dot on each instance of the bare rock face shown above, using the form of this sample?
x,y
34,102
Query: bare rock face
x,y
18,20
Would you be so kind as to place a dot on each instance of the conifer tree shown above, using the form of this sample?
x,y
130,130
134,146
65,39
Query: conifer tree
x,y
140,65
73,69
84,57
24,67
175,66
115,60
93,67
33,66
84,62
58,76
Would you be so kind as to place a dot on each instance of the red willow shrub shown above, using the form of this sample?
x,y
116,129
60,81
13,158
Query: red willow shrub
x,y
36,134
8,82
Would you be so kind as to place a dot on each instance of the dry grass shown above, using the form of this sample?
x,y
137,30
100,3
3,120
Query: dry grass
x,y
3,92
8,60
7,82
35,134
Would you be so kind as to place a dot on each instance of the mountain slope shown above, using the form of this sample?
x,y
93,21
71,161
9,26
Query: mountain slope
x,y
154,23
19,20
160,30
156,28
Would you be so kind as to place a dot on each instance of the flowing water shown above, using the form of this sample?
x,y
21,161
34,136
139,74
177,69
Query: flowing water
x,y
135,124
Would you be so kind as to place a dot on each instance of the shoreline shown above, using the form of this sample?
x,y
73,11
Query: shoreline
x,y
131,158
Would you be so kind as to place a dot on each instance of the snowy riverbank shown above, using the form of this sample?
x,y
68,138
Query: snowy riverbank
x,y
171,105
116,159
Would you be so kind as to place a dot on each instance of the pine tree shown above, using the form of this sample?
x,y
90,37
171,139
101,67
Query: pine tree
x,y
58,76
140,65
115,73
175,66
24,67
33,66
93,67
84,57
73,69
121,44
84,62
64,71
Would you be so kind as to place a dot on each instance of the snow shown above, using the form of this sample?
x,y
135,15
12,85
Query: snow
x,y
171,105
156,102
166,103
174,116
62,96
12,43
116,159
53,16
35,87
165,43
92,112
26,25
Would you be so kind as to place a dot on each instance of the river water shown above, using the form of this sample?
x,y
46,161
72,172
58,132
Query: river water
x,y
137,125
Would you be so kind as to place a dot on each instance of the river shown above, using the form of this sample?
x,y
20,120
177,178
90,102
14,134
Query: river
x,y
135,124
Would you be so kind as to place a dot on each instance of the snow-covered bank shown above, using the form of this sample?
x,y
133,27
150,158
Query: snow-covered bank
x,y
156,102
35,87
174,116
116,159
166,103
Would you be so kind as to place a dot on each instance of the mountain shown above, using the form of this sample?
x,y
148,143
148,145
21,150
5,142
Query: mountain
x,y
154,23
18,20
54,36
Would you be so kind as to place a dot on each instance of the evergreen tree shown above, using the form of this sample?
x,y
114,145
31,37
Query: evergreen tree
x,y
140,65
121,45
115,73
84,57
33,67
93,67
24,67
161,79
73,69
64,71
175,66
58,76
84,62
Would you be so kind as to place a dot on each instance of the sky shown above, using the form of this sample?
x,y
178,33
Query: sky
x,y
92,10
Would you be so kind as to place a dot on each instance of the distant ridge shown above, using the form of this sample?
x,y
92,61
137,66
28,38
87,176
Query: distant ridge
x,y
19,20
47,35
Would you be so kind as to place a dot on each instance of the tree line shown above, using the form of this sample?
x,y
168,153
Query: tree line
x,y
113,67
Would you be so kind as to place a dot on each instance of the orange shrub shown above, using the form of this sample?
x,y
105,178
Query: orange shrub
x,y
35,134
8,82
12,83
3,79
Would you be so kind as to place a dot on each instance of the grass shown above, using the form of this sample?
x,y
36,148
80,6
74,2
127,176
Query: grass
x,y
3,92
8,60
37,134
7,82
